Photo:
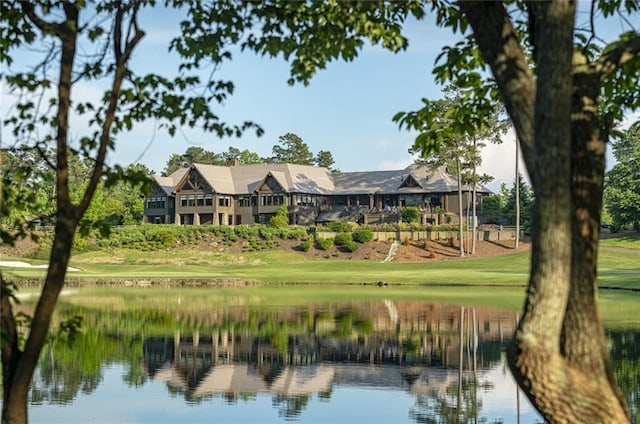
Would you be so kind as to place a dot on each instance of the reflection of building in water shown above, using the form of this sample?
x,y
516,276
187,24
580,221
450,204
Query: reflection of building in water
x,y
407,345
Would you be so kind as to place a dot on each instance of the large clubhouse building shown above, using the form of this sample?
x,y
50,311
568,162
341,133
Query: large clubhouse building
x,y
248,194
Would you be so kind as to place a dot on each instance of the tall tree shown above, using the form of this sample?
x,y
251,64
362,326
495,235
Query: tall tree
x,y
292,149
193,154
324,158
520,197
79,42
550,78
622,183
443,141
244,157
560,358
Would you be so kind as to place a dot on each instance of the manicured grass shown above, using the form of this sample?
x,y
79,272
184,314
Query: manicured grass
x,y
619,268
483,271
626,242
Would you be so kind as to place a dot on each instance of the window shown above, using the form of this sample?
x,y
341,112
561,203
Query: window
x,y
224,201
208,199
307,199
272,199
200,200
183,200
247,201
191,200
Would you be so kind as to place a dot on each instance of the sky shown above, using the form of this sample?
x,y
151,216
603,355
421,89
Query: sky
x,y
347,108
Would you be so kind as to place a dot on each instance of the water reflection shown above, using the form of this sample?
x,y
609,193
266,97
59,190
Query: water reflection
x,y
447,362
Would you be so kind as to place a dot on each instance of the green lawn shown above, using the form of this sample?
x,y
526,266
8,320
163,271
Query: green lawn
x,y
344,280
618,267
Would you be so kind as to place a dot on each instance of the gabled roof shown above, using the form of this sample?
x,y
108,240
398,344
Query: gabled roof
x,y
436,180
279,177
218,177
246,179
168,183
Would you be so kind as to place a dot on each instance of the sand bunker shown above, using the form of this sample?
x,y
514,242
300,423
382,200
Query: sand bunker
x,y
20,264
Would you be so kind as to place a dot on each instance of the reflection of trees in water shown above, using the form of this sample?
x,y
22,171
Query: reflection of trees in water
x,y
290,406
458,402
418,337
624,347
444,407
67,368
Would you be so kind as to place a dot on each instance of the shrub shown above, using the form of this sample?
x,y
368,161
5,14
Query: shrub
x,y
410,214
352,246
362,235
293,233
281,218
340,227
324,243
267,232
342,239
245,231
305,245
164,236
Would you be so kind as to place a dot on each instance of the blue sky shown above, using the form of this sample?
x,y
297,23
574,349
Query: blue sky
x,y
347,108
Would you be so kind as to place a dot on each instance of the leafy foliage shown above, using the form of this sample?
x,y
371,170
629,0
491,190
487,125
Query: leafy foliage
x,y
325,243
622,183
292,149
362,235
342,239
281,218
410,214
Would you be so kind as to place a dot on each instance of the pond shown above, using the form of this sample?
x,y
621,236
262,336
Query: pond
x,y
381,361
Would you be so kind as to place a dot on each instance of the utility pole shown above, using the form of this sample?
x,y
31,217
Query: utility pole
x,y
517,192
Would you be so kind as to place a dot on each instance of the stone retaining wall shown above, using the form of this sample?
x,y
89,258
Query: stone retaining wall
x,y
506,233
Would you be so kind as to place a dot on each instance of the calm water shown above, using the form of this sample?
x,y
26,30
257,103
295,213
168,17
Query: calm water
x,y
375,362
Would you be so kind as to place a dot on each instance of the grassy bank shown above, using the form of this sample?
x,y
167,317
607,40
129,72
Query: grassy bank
x,y
619,267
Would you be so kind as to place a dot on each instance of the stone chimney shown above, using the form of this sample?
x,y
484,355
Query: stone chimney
x,y
233,162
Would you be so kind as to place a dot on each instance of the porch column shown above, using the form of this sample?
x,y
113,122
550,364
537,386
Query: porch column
x,y
177,219
371,201
196,218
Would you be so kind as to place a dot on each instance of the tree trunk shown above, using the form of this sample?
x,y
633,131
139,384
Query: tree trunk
x,y
474,201
10,354
460,222
559,355
14,408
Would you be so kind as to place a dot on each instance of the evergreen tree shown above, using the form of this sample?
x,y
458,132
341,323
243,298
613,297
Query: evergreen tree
x,y
292,149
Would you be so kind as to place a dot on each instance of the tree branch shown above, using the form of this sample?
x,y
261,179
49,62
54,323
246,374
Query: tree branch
x,y
621,54
122,57
28,8
498,42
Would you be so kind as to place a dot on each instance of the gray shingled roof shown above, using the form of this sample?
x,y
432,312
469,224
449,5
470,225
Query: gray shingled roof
x,y
168,183
436,180
244,179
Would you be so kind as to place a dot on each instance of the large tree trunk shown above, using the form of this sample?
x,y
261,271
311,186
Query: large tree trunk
x,y
584,343
559,355
16,384
10,350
